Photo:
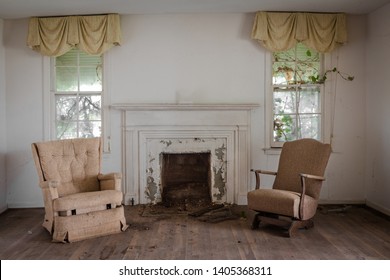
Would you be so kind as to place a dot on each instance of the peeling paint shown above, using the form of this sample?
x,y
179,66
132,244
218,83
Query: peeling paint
x,y
220,152
151,188
219,183
149,170
167,143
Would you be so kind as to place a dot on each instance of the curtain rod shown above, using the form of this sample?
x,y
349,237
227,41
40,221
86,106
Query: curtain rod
x,y
296,12
82,15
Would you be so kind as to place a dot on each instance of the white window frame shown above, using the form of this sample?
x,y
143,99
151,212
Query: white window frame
x,y
49,101
326,100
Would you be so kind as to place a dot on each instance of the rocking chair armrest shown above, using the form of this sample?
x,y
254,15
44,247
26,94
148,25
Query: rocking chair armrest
x,y
110,181
264,171
303,191
258,172
309,176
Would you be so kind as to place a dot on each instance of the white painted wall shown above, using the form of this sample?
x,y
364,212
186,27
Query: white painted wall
x,y
185,58
180,58
346,169
378,113
3,147
24,114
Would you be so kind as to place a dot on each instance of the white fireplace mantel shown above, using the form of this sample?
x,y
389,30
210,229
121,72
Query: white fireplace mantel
x,y
152,129
182,106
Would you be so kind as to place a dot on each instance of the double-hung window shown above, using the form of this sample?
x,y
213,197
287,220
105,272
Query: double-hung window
x,y
297,101
77,86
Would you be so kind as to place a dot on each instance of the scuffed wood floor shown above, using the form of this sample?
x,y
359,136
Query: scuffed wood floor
x,y
357,233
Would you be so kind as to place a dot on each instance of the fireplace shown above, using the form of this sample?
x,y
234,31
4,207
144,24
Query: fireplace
x,y
220,132
185,179
180,146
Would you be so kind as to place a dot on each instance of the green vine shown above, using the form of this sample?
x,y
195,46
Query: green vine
x,y
321,79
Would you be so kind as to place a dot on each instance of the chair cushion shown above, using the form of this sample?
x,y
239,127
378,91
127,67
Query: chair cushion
x,y
87,200
281,202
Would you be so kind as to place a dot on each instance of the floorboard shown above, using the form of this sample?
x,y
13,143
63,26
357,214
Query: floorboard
x,y
354,234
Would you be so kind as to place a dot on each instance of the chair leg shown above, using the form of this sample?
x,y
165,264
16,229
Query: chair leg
x,y
296,224
309,224
256,221
293,228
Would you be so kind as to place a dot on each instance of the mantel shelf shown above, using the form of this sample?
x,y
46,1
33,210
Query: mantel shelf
x,y
182,106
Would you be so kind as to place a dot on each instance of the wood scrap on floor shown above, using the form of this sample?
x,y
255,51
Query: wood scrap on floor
x,y
214,213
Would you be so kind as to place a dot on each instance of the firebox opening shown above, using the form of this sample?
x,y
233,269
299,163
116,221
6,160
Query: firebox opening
x,y
186,179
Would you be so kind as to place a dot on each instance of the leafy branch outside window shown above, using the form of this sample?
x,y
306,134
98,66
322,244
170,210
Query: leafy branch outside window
x,y
321,79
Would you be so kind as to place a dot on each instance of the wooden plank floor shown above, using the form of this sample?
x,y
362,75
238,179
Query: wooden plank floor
x,y
357,233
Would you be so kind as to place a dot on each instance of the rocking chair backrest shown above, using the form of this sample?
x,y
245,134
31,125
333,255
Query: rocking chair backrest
x,y
307,156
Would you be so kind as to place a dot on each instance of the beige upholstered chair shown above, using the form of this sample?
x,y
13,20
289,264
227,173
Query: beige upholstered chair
x,y
80,202
292,201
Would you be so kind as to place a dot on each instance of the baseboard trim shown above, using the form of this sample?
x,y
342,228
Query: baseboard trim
x,y
378,208
326,201
24,205
3,209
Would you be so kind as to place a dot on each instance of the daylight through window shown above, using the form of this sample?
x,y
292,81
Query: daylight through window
x,y
296,100
77,87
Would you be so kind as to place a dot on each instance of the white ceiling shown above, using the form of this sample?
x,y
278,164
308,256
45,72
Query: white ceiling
x,y
12,9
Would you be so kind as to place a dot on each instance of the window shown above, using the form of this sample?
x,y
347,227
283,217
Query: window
x,y
77,85
296,100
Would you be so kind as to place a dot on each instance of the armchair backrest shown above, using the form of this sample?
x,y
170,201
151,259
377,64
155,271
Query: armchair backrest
x,y
74,163
307,156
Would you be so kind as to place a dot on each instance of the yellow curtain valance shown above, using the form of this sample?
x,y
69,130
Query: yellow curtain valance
x,y
54,36
279,31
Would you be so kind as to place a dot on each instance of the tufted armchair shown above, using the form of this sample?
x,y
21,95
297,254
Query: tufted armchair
x,y
292,202
80,202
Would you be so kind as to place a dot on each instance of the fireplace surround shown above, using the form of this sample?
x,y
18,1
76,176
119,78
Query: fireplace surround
x,y
151,130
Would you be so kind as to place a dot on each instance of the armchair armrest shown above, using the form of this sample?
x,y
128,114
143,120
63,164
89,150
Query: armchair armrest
x,y
49,188
258,172
110,181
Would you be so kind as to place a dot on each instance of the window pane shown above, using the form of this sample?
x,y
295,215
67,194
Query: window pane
x,y
90,79
309,100
284,100
304,54
310,126
67,59
295,65
90,129
66,129
283,73
89,60
66,79
66,108
305,70
296,100
285,128
288,55
90,107
78,114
